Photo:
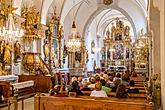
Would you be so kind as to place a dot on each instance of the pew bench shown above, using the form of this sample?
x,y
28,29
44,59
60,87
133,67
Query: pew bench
x,y
113,94
89,103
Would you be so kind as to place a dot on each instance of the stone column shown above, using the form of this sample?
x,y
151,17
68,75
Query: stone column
x,y
155,27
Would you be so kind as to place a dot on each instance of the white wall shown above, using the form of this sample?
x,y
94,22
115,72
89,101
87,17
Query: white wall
x,y
91,35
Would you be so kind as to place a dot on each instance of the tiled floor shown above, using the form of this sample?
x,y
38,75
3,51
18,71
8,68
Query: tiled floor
x,y
28,105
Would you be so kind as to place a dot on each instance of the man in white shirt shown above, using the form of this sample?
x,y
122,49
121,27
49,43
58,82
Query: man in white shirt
x,y
98,92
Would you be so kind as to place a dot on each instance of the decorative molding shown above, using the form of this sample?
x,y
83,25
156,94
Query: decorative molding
x,y
107,2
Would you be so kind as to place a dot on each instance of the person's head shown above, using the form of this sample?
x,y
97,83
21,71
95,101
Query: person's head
x,y
103,82
105,76
98,86
117,82
97,78
132,83
79,79
92,80
75,85
125,78
110,78
118,75
74,79
85,84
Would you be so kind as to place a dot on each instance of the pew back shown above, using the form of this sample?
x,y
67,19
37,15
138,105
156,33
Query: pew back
x,y
71,103
41,83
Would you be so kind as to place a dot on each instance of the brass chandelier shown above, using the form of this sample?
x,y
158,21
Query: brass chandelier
x,y
74,44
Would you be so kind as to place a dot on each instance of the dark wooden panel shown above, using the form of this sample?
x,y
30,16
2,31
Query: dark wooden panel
x,y
42,83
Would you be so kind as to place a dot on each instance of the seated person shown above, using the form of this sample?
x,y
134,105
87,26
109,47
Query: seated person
x,y
75,88
116,83
85,87
98,92
104,88
125,81
92,81
118,76
56,92
132,89
110,81
80,81
121,91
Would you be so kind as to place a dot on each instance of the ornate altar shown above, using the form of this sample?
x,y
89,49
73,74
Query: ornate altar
x,y
10,48
77,53
54,38
141,52
116,53
77,58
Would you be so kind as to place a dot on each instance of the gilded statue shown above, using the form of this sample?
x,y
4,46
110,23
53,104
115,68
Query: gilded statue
x,y
32,21
108,33
2,44
17,51
7,54
46,49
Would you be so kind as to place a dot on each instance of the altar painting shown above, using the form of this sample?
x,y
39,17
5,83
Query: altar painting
x,y
118,51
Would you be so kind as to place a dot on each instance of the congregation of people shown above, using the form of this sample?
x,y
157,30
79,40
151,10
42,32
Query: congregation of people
x,y
98,85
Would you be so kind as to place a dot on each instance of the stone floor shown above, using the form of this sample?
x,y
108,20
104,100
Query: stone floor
x,y
28,105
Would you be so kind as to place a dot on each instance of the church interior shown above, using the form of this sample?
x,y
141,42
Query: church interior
x,y
82,54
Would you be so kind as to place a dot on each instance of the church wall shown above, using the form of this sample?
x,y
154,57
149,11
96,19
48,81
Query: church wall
x,y
91,35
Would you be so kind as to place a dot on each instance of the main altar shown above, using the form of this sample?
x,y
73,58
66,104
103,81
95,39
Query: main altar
x,y
116,52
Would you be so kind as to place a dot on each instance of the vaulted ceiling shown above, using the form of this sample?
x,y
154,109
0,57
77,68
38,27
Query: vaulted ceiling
x,y
85,11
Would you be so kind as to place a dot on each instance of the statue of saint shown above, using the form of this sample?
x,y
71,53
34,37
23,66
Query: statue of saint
x,y
112,30
2,44
127,31
92,46
17,51
7,54
108,33
46,49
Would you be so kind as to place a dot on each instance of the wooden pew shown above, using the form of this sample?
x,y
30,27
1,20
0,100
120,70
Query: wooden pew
x,y
89,103
41,83
113,94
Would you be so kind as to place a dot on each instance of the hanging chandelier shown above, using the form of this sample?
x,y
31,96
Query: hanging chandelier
x,y
74,44
9,32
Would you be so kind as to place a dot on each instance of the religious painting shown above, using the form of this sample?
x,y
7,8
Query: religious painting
x,y
55,42
119,51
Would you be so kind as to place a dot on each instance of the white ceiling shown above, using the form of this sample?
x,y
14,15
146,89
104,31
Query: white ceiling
x,y
85,11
